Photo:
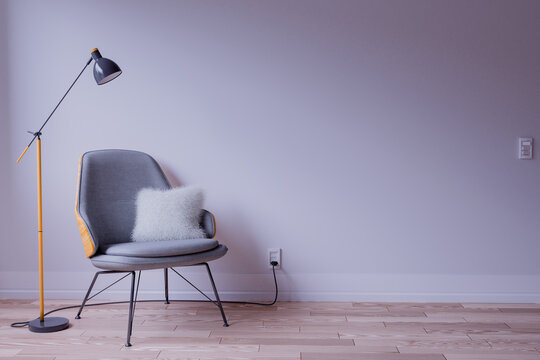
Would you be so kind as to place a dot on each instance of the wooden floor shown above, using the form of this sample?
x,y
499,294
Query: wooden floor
x,y
288,330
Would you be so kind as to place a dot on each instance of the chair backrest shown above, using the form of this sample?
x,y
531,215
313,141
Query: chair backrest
x,y
109,181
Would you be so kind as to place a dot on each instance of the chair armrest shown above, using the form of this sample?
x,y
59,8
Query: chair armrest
x,y
208,223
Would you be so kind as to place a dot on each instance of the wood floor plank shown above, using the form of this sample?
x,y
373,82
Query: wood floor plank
x,y
440,345
275,335
154,342
519,335
424,306
360,313
325,327
394,319
39,348
369,356
492,357
295,349
224,355
514,344
448,326
400,338
27,358
313,305
486,315
9,350
518,310
382,333
288,341
488,353
500,305
192,347
523,325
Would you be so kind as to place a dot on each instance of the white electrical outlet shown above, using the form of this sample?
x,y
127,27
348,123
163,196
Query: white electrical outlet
x,y
525,150
274,254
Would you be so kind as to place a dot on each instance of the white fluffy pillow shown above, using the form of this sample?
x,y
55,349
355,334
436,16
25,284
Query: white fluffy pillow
x,y
168,214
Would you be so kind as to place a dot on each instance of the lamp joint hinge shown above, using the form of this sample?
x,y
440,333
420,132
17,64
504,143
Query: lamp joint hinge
x,y
35,133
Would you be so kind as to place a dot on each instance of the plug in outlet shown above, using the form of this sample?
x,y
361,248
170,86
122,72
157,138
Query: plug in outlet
x,y
274,254
525,151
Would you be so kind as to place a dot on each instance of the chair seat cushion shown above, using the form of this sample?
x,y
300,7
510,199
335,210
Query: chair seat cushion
x,y
160,248
133,263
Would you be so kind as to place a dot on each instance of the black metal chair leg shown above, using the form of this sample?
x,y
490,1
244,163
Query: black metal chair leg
x,y
131,309
166,276
87,294
217,295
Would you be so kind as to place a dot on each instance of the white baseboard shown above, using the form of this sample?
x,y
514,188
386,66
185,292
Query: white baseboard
x,y
297,287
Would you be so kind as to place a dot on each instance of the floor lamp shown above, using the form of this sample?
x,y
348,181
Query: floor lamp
x,y
105,70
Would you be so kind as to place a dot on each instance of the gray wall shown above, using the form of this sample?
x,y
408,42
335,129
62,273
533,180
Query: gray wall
x,y
374,141
5,201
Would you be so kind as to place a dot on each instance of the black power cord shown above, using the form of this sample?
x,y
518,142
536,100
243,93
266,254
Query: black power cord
x,y
273,263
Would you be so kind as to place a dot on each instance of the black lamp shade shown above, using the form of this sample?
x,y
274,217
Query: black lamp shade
x,y
105,70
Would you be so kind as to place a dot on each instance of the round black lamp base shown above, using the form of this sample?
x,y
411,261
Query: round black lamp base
x,y
49,324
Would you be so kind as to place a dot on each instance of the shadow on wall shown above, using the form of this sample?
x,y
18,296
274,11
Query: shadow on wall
x,y
5,179
234,234
4,91
173,179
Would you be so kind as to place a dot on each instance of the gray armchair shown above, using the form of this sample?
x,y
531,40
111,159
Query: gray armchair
x,y
109,181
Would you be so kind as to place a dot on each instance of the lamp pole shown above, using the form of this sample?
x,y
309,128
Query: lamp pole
x,y
104,71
